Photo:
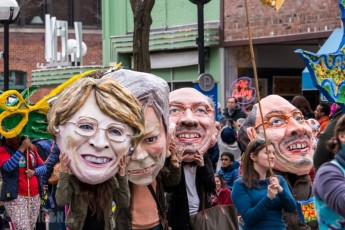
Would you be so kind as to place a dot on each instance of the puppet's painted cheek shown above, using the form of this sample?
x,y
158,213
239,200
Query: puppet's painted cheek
x,y
156,150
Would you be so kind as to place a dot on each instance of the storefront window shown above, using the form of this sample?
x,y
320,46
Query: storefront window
x,y
178,85
32,12
17,80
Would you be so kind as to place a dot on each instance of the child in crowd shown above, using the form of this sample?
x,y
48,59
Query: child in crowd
x,y
222,195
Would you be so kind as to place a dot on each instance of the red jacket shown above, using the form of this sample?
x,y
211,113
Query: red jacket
x,y
224,196
323,123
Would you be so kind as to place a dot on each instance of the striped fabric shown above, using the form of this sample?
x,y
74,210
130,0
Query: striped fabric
x,y
13,162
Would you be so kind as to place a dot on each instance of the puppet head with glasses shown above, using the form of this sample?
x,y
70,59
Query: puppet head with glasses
x,y
286,127
193,114
95,122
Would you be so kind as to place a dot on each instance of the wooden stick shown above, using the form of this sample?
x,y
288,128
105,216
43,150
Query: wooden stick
x,y
28,179
252,55
28,155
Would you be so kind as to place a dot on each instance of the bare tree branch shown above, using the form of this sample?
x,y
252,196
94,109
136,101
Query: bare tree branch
x,y
141,36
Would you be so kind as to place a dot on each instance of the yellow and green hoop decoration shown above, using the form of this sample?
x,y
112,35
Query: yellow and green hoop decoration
x,y
19,118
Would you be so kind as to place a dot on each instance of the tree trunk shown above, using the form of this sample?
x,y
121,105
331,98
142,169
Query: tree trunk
x,y
142,22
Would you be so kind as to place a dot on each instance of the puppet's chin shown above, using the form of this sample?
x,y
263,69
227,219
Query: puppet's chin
x,y
295,169
92,176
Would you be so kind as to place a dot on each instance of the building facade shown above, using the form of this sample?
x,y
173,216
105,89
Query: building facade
x,y
27,38
297,25
173,49
108,29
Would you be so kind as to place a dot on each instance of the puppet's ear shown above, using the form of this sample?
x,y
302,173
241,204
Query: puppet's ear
x,y
170,136
252,135
216,132
218,126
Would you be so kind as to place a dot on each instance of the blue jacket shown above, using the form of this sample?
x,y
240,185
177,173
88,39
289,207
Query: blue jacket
x,y
9,189
257,210
328,193
53,158
43,147
230,174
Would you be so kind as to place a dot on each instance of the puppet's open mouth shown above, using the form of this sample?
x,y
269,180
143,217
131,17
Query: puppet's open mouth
x,y
141,171
297,146
188,135
96,160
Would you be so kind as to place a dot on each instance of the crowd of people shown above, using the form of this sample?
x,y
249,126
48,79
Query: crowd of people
x,y
134,155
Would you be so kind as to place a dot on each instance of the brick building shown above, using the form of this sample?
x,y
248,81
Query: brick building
x,y
27,49
296,20
27,37
303,24
298,24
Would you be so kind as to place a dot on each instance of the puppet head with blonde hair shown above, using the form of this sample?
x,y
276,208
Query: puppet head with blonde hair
x,y
95,122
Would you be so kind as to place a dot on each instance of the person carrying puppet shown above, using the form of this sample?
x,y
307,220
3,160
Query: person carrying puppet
x,y
196,132
146,168
96,123
293,140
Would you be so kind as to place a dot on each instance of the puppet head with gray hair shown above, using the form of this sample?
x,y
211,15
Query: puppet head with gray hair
x,y
153,95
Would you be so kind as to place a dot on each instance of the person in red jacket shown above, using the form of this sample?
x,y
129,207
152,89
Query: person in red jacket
x,y
21,169
322,112
223,193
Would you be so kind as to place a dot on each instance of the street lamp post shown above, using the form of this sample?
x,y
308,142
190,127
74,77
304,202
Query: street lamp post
x,y
200,40
9,11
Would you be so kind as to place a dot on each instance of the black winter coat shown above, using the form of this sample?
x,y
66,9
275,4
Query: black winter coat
x,y
178,213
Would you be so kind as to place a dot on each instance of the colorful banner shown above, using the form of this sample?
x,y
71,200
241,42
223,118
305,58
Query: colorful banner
x,y
327,70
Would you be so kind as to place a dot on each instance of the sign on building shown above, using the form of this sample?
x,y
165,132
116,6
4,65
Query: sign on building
x,y
59,50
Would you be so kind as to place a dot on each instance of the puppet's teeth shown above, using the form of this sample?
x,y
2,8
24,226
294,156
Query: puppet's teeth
x,y
187,136
97,160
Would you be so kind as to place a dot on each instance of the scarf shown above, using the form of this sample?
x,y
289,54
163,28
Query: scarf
x,y
340,157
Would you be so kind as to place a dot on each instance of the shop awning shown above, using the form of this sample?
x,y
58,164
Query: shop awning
x,y
330,46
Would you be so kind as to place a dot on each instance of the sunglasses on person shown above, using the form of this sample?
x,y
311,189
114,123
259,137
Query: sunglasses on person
x,y
224,159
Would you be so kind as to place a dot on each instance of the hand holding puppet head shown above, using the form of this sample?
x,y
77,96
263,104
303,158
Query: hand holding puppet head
x,y
193,114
